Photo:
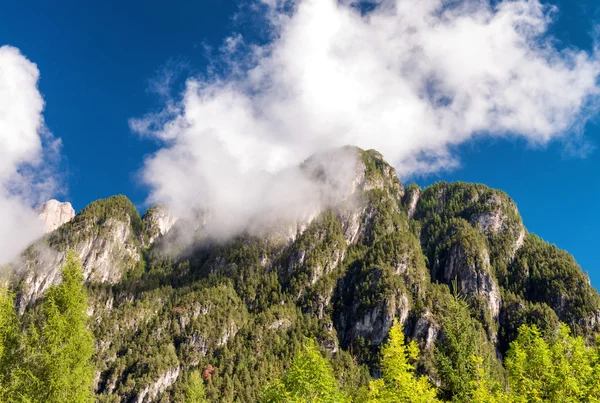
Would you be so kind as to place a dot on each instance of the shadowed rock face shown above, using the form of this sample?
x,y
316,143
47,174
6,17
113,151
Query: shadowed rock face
x,y
54,214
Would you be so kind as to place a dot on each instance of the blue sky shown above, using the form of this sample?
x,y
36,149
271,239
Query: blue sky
x,y
97,60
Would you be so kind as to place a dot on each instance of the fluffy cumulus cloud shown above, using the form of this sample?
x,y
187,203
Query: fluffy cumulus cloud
x,y
410,78
25,151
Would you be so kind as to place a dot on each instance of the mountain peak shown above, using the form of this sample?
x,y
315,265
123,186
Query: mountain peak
x,y
54,213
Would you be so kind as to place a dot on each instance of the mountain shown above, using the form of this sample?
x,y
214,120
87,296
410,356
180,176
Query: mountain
x,y
161,306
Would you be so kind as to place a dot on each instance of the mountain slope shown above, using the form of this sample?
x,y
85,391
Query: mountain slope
x,y
239,308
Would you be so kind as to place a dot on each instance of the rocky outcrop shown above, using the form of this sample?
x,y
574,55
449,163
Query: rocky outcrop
x,y
53,214
162,383
425,330
471,268
500,220
107,247
412,199
158,222
374,324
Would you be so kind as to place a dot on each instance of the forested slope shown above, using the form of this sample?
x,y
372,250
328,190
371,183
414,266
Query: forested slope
x,y
239,311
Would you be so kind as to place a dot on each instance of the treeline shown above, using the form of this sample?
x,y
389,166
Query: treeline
x,y
554,367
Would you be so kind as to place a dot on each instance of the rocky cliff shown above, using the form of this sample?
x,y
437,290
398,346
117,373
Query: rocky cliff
x,y
54,214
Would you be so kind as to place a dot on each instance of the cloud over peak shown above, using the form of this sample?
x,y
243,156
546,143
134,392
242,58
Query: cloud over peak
x,y
410,78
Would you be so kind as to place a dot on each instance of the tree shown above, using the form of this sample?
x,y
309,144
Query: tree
x,y
194,391
309,379
399,383
560,369
9,331
484,389
463,338
57,351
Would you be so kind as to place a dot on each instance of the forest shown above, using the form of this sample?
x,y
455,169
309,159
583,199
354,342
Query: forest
x,y
47,356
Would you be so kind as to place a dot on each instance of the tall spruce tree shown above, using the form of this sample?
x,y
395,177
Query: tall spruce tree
x,y
463,339
194,390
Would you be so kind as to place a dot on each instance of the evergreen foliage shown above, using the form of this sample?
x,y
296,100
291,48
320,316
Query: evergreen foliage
x,y
399,383
194,392
463,338
309,379
52,360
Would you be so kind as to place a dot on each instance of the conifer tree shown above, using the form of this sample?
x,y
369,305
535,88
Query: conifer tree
x,y
484,389
309,379
399,383
57,351
463,338
194,391
9,331
560,369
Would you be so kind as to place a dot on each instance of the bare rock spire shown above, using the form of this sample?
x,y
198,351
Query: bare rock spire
x,y
54,214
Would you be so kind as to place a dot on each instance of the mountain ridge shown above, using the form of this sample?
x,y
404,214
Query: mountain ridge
x,y
343,276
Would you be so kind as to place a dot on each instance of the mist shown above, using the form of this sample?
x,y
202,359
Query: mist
x,y
412,79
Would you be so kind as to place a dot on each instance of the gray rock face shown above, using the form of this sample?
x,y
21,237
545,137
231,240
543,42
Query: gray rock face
x,y
54,214
376,323
498,222
104,256
159,222
162,383
425,331
473,274
412,204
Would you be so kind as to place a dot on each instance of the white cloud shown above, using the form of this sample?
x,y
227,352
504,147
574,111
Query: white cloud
x,y
412,79
26,149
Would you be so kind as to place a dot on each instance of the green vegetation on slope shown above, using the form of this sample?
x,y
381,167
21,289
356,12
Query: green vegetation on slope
x,y
224,320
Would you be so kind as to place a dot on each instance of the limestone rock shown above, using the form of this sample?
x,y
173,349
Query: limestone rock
x,y
54,214
162,383
473,275
104,256
158,221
